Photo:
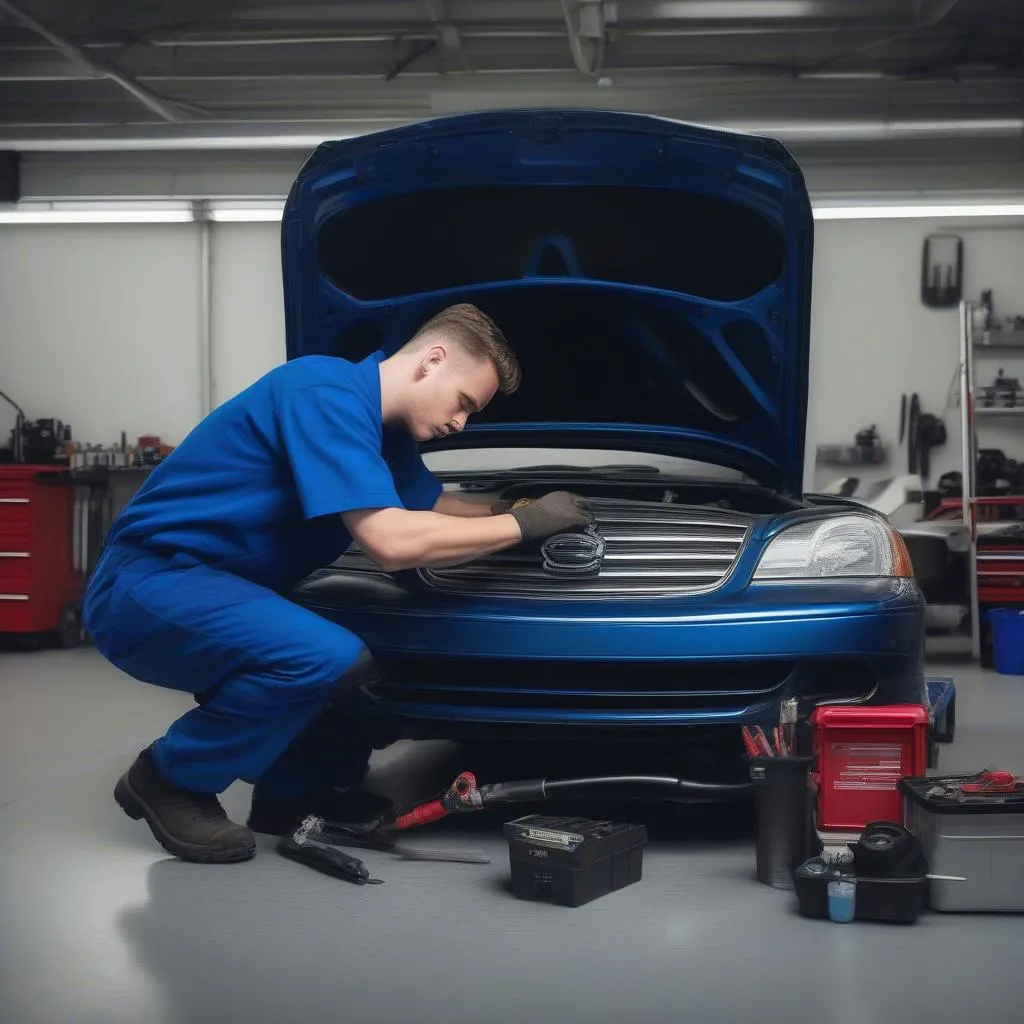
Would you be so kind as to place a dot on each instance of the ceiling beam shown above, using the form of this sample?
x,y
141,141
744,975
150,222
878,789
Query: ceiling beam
x,y
94,66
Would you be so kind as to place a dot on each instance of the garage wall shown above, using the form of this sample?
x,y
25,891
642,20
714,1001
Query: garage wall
x,y
872,339
101,327
247,305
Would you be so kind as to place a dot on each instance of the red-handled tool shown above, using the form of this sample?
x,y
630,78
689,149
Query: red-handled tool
x,y
992,781
756,742
748,742
461,795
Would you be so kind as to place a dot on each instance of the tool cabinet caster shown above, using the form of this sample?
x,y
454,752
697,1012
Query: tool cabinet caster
x,y
68,632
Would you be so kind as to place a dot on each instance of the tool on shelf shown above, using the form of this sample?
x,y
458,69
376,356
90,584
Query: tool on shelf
x,y
942,271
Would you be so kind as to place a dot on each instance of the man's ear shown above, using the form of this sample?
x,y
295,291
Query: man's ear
x,y
432,359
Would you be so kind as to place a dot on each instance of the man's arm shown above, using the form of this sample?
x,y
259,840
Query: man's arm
x,y
397,539
468,508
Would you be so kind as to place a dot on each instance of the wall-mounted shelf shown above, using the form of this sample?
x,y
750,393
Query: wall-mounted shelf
x,y
998,410
991,342
1007,343
851,455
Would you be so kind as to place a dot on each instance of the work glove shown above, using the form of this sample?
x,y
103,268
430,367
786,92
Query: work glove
x,y
554,513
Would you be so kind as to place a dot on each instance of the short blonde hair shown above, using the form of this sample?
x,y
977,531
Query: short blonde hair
x,y
478,335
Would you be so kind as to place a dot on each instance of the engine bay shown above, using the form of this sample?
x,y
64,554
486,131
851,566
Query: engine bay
x,y
631,482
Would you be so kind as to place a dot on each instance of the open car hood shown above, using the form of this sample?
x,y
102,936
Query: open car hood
x,y
653,277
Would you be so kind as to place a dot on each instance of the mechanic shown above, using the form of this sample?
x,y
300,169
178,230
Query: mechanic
x,y
190,590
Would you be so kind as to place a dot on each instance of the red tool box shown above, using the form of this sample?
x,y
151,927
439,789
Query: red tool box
x,y
40,589
862,754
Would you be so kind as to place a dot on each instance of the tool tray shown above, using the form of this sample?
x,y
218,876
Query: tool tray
x,y
974,843
890,900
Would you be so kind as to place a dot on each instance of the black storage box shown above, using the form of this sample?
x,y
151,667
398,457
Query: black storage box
x,y
893,900
571,861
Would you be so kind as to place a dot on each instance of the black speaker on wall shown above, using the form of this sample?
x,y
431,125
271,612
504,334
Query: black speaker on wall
x,y
10,181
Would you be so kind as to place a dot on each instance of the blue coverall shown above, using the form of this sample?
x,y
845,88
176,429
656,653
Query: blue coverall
x,y
189,592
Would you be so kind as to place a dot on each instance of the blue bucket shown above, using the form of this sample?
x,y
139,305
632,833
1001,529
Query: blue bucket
x,y
1008,640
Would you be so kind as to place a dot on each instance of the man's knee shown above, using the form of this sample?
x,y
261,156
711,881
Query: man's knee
x,y
359,680
337,668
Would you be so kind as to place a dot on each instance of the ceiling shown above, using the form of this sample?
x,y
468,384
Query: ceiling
x,y
258,73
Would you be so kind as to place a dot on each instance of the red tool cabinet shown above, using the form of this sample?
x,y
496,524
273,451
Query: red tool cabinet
x,y
862,753
40,589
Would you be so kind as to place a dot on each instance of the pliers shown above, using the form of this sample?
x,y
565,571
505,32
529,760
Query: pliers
x,y
317,841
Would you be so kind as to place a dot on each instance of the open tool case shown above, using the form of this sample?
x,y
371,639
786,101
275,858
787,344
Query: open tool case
x,y
971,828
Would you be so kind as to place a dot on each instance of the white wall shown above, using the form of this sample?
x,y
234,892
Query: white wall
x,y
101,323
101,327
247,308
872,339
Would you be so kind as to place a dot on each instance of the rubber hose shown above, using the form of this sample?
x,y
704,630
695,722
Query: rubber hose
x,y
613,787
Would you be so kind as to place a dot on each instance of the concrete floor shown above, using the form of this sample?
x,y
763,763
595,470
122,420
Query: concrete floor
x,y
99,926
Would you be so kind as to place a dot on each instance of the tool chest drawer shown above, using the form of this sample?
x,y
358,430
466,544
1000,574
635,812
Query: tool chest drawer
x,y
16,613
16,512
15,486
15,570
14,534
37,573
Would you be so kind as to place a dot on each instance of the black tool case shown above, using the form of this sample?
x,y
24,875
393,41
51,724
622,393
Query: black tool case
x,y
571,861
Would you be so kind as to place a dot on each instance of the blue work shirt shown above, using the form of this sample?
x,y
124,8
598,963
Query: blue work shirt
x,y
257,488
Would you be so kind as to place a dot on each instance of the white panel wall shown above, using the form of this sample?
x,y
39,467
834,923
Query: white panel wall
x,y
99,327
247,307
872,339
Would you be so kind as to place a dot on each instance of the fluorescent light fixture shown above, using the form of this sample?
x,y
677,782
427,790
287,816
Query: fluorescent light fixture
x,y
270,211
922,212
131,142
246,211
96,213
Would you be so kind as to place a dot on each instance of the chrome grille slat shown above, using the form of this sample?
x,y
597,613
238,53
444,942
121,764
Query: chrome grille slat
x,y
674,539
653,550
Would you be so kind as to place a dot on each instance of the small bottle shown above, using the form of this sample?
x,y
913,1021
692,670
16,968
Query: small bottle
x,y
842,899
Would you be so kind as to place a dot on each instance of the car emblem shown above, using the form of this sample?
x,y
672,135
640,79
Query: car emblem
x,y
573,554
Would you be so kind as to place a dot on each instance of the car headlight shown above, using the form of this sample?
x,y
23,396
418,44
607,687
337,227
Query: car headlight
x,y
854,545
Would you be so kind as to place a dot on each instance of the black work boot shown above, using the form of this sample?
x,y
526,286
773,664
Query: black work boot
x,y
192,826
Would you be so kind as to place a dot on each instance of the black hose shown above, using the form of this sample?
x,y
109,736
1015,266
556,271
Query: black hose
x,y
612,787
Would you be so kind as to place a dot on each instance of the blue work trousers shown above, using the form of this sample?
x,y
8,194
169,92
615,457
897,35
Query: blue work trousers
x,y
262,669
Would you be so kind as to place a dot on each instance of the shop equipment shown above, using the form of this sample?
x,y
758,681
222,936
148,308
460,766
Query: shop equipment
x,y
971,828
40,589
862,753
782,801
572,861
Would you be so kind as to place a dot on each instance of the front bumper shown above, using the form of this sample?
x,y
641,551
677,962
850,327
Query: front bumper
x,y
712,660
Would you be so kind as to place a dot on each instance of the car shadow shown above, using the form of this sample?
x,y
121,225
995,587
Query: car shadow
x,y
420,772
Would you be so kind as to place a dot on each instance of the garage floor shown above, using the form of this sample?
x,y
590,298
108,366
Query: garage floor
x,y
98,925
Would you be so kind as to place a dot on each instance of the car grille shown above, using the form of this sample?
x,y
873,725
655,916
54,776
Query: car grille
x,y
652,550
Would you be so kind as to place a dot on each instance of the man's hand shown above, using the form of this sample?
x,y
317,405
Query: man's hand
x,y
555,512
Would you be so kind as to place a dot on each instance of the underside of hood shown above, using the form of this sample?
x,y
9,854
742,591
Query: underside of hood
x,y
653,277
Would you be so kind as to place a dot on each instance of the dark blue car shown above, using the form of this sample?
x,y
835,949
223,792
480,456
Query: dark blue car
x,y
654,279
